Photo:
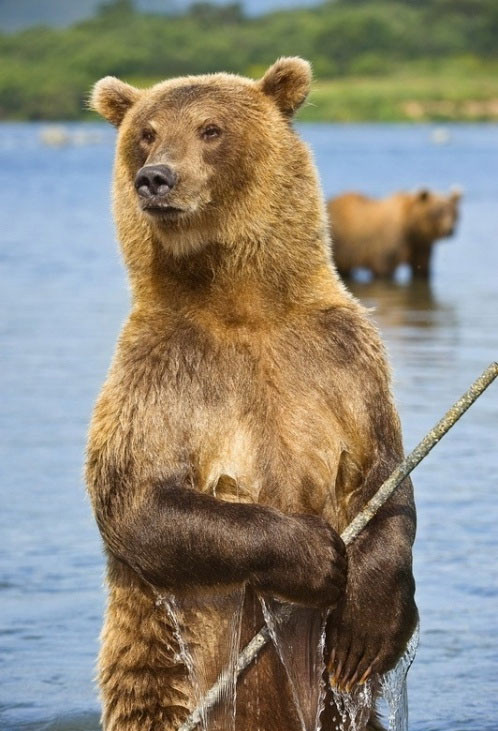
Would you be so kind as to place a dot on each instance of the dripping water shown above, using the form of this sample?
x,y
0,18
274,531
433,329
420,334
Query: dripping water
x,y
393,687
355,708
298,634
184,654
207,632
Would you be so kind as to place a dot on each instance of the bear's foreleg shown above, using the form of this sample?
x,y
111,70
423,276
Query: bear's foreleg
x,y
369,631
177,538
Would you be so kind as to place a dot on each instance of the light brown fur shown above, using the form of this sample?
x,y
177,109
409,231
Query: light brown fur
x,y
246,372
379,235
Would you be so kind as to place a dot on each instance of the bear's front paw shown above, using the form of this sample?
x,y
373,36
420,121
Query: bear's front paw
x,y
353,659
361,647
309,566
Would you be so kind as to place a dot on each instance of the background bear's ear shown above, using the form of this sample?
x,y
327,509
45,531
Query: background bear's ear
x,y
288,82
112,98
456,192
423,194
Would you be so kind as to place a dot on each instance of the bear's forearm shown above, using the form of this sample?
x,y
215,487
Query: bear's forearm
x,y
380,578
382,553
179,537
380,559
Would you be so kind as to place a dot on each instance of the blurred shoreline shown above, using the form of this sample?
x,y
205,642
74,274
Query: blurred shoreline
x,y
407,97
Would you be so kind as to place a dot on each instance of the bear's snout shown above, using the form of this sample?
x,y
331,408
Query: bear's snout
x,y
155,180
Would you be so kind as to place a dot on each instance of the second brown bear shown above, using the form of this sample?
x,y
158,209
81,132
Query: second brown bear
x,y
379,235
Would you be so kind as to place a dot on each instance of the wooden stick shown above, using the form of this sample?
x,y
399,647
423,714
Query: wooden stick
x,y
253,648
421,450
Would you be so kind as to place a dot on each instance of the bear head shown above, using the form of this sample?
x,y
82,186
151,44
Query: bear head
x,y
433,215
211,158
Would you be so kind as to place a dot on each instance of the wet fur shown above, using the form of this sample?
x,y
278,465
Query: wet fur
x,y
248,388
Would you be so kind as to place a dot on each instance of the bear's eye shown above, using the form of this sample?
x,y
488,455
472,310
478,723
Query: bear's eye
x,y
210,132
148,135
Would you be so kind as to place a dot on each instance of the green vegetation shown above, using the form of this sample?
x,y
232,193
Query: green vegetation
x,y
373,59
411,92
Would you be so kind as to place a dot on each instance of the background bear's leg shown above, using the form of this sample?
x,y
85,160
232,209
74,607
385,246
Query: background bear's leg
x,y
385,266
143,686
420,261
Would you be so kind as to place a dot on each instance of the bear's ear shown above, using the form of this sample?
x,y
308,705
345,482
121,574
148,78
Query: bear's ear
x,y
112,98
456,192
423,194
288,82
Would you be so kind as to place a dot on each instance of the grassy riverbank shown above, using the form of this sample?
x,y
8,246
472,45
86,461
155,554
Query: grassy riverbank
x,y
411,94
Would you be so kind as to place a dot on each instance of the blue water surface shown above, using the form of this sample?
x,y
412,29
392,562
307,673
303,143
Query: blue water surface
x,y
64,295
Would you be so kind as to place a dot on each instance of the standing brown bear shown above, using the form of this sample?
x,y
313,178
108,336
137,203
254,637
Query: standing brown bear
x,y
379,235
247,415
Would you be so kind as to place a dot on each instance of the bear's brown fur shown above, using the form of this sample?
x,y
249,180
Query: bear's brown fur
x,y
247,415
379,235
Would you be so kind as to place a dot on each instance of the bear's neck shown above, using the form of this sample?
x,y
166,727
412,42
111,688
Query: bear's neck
x,y
240,281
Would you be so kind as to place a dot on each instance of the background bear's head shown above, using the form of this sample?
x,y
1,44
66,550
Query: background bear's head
x,y
211,158
433,215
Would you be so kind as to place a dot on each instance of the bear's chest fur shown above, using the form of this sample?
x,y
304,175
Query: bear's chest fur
x,y
250,418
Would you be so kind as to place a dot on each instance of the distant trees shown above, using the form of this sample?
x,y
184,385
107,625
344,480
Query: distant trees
x,y
115,8
210,13
46,73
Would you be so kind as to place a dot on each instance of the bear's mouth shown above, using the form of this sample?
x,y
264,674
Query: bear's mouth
x,y
163,211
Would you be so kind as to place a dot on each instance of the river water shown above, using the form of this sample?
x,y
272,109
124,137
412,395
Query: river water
x,y
64,296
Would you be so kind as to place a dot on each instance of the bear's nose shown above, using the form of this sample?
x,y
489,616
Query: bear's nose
x,y
154,180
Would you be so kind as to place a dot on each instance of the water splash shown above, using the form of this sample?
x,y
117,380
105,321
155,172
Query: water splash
x,y
207,632
169,603
298,634
393,687
356,707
